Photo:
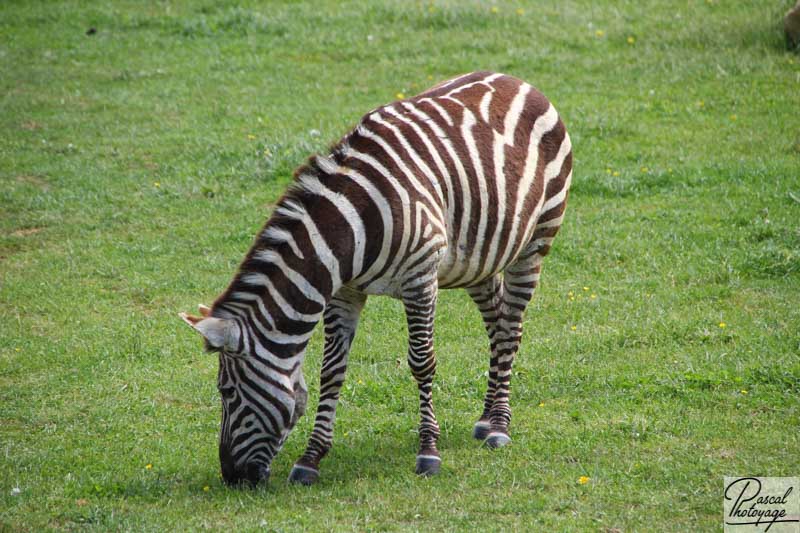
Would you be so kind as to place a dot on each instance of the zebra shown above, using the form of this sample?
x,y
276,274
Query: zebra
x,y
464,185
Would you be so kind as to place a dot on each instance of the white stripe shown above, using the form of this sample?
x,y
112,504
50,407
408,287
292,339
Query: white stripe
x,y
550,223
483,197
297,279
485,81
513,114
378,119
277,234
552,170
321,248
380,141
387,217
485,103
306,468
259,279
451,82
500,142
434,153
401,192
523,279
543,124
314,186
455,255
439,109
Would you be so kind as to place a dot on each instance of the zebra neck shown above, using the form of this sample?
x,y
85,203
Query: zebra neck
x,y
277,300
314,243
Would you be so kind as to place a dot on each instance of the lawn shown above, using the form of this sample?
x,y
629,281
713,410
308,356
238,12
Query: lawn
x,y
143,144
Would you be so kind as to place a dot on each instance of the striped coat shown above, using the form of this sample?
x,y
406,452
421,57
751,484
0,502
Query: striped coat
x,y
463,185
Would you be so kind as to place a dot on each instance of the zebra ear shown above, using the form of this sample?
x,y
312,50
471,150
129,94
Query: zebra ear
x,y
214,330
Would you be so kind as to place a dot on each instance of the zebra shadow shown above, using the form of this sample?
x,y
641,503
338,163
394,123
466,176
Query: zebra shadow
x,y
382,454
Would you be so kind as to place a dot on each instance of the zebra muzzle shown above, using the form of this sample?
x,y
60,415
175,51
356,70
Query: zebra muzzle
x,y
253,474
257,473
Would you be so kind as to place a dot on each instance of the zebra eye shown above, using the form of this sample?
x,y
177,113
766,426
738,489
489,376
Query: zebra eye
x,y
227,392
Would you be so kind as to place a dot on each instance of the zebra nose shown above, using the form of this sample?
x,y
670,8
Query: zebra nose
x,y
252,475
257,473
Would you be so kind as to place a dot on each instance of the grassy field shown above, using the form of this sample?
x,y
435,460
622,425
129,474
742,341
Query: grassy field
x,y
138,161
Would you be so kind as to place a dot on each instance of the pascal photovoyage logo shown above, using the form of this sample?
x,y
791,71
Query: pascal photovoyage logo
x,y
762,504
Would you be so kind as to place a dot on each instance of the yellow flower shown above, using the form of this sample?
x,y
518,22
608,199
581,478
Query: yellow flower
x,y
251,136
631,40
148,466
573,328
495,9
586,288
430,77
608,171
600,33
156,184
360,382
644,169
520,11
206,488
583,480
733,117
723,325
743,391
701,103
400,96
541,404
593,296
616,173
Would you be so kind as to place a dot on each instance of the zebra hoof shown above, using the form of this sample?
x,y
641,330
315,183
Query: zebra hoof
x,y
481,430
428,465
303,475
497,440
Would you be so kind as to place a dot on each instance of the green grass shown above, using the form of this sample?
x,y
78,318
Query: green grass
x,y
137,164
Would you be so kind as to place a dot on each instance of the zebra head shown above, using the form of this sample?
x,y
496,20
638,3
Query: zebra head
x,y
261,403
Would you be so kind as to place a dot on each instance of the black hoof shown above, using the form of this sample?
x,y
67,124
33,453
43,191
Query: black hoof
x,y
303,475
497,440
481,430
428,465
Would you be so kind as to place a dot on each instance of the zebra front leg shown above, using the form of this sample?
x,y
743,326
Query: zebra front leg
x,y
420,305
340,319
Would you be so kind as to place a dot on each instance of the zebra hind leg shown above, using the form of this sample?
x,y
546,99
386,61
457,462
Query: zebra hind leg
x,y
420,304
488,297
519,282
340,319
502,306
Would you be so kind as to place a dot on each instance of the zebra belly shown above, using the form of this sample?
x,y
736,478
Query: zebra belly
x,y
464,266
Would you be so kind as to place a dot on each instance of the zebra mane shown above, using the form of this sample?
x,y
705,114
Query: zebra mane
x,y
277,230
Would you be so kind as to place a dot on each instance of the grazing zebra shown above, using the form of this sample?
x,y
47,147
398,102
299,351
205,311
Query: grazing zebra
x,y
464,185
